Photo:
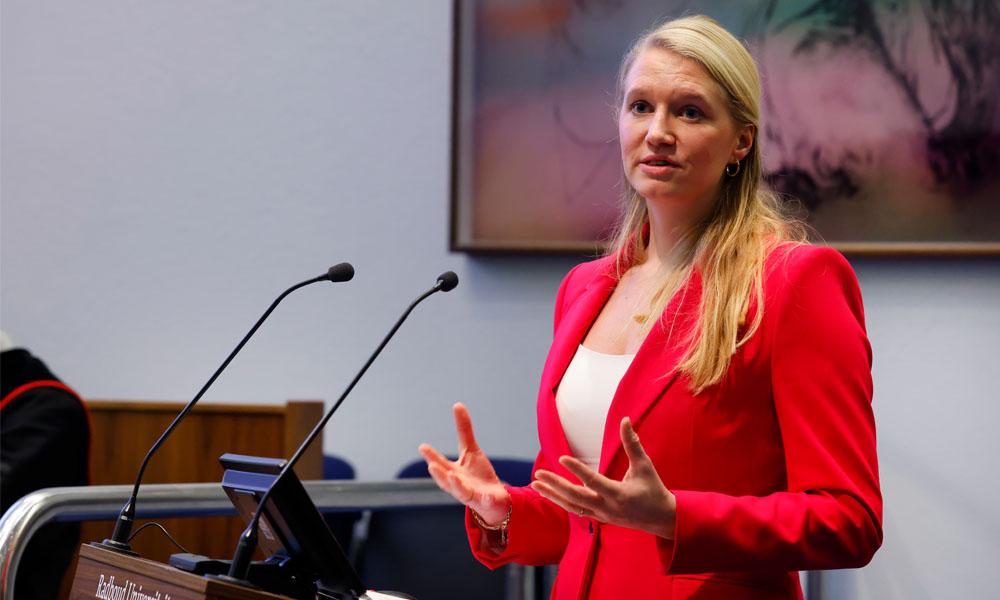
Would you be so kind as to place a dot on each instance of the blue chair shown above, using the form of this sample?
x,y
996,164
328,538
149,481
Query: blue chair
x,y
425,551
512,471
335,467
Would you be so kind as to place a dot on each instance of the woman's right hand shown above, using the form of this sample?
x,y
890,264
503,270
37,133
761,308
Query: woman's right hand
x,y
471,479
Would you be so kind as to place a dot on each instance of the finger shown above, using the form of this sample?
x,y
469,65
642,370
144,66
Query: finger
x,y
440,477
432,456
630,442
466,437
549,493
577,494
589,477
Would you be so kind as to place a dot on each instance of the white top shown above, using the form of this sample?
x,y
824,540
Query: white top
x,y
584,397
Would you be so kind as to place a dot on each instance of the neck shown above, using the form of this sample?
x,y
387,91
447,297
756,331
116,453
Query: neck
x,y
669,230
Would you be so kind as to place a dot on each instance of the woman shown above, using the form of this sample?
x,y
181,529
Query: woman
x,y
734,352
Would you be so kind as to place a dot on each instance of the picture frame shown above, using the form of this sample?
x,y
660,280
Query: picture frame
x,y
884,123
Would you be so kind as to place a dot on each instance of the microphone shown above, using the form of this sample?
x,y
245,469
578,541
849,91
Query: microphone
x,y
248,540
123,527
336,274
447,281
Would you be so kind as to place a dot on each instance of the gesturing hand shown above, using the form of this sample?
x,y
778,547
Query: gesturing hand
x,y
471,479
638,501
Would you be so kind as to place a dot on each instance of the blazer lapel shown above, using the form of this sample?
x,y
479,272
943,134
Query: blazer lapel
x,y
573,326
654,368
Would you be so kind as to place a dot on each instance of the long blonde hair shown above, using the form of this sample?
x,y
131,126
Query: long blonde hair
x,y
729,247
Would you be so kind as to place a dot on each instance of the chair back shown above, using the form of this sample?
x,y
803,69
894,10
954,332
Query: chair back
x,y
335,467
512,471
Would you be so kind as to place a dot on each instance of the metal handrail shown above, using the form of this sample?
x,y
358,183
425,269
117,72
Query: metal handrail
x,y
103,502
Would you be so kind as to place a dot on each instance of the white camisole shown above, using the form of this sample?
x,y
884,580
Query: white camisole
x,y
584,397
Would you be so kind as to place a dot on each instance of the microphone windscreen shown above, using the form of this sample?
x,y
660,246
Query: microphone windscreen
x,y
341,272
447,281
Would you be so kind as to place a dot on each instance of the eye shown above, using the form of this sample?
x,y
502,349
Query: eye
x,y
641,107
691,112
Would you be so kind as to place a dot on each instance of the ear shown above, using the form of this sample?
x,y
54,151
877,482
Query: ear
x,y
744,142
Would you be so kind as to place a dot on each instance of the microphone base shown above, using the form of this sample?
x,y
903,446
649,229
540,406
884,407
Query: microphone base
x,y
234,581
112,545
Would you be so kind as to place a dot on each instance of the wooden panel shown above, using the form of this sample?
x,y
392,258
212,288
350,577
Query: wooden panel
x,y
300,419
124,431
107,575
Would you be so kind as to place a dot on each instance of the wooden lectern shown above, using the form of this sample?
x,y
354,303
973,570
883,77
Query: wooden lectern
x,y
107,575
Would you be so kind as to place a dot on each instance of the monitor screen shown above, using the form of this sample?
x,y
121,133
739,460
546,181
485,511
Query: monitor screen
x,y
290,523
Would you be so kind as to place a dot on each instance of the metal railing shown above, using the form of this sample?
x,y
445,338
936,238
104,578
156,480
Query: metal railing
x,y
96,503
103,502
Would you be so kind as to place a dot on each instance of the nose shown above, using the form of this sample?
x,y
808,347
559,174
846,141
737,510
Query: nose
x,y
660,131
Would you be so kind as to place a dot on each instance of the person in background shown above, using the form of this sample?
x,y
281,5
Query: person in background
x,y
44,442
704,413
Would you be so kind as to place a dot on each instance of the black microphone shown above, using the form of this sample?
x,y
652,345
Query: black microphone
x,y
447,281
248,540
119,539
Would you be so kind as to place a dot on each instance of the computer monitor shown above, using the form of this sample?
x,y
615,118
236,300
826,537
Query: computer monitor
x,y
290,524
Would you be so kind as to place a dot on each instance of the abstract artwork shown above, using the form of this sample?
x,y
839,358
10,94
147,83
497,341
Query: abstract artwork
x,y
881,118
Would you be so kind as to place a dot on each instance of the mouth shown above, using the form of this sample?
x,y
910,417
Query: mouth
x,y
658,162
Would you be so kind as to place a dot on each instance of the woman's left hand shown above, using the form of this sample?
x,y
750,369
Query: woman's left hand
x,y
638,501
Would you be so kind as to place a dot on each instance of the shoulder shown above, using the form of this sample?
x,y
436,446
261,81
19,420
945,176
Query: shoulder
x,y
578,279
49,400
580,276
791,263
805,277
31,391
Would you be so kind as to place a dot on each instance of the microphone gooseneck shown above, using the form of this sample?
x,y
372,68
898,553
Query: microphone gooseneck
x,y
248,540
123,527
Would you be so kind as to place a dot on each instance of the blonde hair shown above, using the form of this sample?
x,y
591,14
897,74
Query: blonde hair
x,y
747,220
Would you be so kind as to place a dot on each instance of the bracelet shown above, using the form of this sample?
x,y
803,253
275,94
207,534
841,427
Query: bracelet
x,y
502,527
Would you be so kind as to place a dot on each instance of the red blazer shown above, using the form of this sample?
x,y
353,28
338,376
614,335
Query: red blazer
x,y
774,468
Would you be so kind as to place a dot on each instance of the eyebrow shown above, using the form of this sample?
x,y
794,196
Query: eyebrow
x,y
682,94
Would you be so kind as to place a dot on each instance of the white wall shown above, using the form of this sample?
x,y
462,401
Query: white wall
x,y
169,168
934,325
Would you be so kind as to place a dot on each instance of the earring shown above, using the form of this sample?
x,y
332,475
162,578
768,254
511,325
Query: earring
x,y
733,172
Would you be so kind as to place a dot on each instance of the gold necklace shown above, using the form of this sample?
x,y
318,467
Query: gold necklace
x,y
635,285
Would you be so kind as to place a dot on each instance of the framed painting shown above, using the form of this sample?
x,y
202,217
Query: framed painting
x,y
881,118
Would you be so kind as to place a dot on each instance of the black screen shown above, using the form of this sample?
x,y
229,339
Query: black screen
x,y
290,523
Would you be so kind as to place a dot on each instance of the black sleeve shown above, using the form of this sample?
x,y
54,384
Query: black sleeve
x,y
44,442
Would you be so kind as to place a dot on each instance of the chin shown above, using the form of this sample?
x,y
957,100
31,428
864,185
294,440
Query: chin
x,y
659,194
678,198
655,189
